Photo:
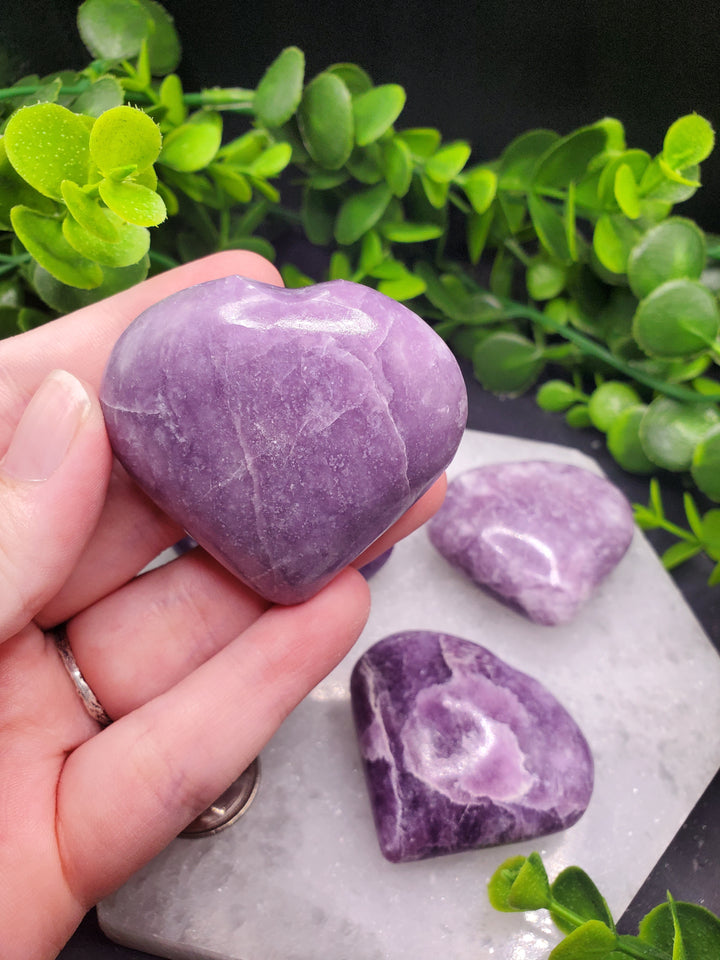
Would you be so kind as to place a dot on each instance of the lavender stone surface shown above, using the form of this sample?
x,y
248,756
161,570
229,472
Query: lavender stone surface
x,y
284,429
540,535
462,751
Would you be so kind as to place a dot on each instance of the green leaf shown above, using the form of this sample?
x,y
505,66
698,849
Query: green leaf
x,y
671,250
403,288
124,137
171,97
678,319
501,883
360,212
436,192
272,161
710,533
530,889
295,278
692,513
447,162
43,238
478,230
507,363
609,400
115,30
422,142
353,76
163,43
545,278
688,141
405,232
637,160
519,158
112,29
279,92
575,891
339,268
626,191
87,212
549,227
480,186
670,431
679,553
103,94
397,161
134,203
15,191
194,144
592,941
132,245
700,930
613,238
376,110
244,149
556,396
65,299
366,164
705,469
578,417
318,213
371,252
567,159
623,441
47,144
234,183
325,120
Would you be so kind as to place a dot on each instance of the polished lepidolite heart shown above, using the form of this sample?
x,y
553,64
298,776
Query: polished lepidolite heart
x,y
462,751
284,429
539,534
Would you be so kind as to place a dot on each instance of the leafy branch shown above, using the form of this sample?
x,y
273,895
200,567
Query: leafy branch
x,y
670,931
114,171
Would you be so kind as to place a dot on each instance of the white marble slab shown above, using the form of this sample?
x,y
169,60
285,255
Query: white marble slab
x,y
300,876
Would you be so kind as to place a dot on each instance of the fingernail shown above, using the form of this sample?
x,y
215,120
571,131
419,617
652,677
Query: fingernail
x,y
46,429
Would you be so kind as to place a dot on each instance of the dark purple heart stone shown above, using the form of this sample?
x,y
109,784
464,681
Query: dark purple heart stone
x,y
284,429
540,535
460,750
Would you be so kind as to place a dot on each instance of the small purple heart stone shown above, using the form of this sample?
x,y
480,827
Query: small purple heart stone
x,y
462,751
284,429
538,534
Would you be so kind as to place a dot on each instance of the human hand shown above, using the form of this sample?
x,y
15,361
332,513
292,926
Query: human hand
x,y
177,657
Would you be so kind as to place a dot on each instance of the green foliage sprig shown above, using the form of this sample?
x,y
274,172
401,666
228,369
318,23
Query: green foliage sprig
x,y
671,931
114,171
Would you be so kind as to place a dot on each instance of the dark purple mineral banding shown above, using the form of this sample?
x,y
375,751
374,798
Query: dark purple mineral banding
x,y
462,751
539,534
285,430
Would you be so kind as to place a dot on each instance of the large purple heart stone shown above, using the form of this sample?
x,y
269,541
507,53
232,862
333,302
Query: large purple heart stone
x,y
540,535
462,751
284,429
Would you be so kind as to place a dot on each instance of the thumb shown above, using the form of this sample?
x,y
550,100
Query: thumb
x,y
53,479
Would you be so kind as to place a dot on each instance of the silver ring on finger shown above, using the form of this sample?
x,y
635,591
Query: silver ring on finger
x,y
90,701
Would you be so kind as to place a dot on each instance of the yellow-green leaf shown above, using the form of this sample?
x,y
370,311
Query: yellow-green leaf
x,y
193,145
88,212
124,137
134,203
132,245
46,144
43,238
